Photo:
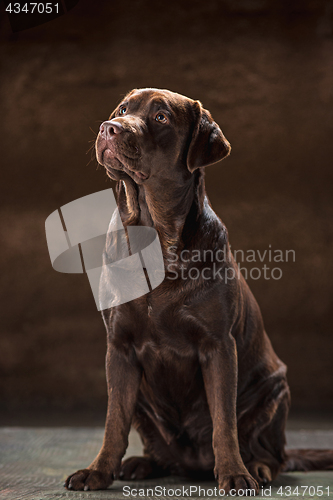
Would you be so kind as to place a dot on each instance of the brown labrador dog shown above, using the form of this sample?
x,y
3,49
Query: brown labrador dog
x,y
189,364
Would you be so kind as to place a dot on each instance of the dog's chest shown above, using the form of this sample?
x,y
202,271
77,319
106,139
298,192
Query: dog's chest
x,y
163,332
168,331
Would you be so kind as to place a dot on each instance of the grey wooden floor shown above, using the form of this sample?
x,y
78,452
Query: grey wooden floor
x,y
35,461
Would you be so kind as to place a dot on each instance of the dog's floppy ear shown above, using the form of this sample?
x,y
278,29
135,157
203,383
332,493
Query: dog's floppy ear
x,y
208,144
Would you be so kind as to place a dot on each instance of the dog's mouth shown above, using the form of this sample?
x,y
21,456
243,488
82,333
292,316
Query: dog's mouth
x,y
116,161
120,159
136,174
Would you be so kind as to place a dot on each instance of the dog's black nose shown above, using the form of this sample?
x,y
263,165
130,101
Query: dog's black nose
x,y
110,128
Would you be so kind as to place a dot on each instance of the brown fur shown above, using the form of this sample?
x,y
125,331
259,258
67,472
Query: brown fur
x,y
189,364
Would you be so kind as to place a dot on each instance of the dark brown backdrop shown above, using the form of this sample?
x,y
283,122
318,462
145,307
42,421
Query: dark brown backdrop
x,y
265,70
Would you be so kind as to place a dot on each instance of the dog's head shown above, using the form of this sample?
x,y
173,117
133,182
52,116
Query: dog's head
x,y
158,134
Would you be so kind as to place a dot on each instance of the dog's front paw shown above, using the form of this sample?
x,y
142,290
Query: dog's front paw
x,y
88,479
237,484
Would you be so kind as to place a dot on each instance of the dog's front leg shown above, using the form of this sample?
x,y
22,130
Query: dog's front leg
x,y
123,380
219,369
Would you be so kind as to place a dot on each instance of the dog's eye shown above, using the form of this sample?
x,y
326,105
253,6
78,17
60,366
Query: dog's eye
x,y
122,110
160,117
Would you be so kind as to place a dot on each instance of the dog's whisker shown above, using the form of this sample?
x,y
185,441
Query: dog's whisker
x,y
91,148
93,131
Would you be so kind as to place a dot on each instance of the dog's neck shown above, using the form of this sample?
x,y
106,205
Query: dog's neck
x,y
166,207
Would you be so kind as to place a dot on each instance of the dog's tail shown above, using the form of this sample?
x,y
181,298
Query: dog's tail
x,y
307,459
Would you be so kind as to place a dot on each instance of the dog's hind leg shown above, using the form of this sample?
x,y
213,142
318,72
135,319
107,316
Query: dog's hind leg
x,y
156,458
262,434
136,468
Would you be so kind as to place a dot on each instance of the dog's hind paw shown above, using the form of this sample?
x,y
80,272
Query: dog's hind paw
x,y
138,468
261,472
